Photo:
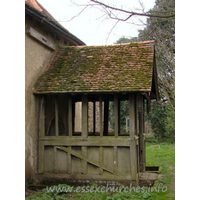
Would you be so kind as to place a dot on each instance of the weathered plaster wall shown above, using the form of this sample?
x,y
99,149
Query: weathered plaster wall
x,y
36,58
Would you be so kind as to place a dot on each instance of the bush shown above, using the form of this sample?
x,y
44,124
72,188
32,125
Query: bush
x,y
162,120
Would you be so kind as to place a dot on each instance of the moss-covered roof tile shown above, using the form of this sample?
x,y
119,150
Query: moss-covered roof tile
x,y
112,68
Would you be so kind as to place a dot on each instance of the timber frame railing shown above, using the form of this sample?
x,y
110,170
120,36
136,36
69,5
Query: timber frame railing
x,y
93,157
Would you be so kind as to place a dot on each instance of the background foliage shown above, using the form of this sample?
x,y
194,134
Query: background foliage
x,y
162,31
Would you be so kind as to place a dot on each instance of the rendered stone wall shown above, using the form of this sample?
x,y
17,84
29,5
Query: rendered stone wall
x,y
37,57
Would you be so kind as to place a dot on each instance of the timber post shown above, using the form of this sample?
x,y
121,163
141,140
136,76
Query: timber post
x,y
106,113
70,116
56,117
84,131
100,116
116,115
41,135
94,117
140,107
132,133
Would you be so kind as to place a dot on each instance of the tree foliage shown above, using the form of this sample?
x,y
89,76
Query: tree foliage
x,y
126,40
162,31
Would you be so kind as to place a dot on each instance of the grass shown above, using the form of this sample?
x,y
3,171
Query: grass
x,y
159,153
165,158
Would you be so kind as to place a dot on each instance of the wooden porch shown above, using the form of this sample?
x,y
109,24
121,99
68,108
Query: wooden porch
x,y
95,75
96,156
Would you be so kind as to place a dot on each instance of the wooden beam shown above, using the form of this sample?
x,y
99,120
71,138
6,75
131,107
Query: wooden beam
x,y
55,160
70,115
42,117
73,116
136,116
132,111
148,102
94,117
39,37
66,116
106,113
141,132
107,177
136,133
100,159
143,111
41,135
84,116
132,133
90,141
148,105
116,115
83,162
100,116
56,117
134,161
41,157
115,157
69,161
144,148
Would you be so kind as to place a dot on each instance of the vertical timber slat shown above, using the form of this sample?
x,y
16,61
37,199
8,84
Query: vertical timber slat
x,y
56,117
141,131
69,161
55,160
84,116
41,134
100,116
66,116
41,157
115,156
42,118
73,116
148,105
83,162
136,132
84,131
70,115
100,159
133,156
144,148
94,117
106,113
116,114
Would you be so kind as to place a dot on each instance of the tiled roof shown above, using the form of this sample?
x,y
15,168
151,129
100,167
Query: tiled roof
x,y
37,7
113,68
34,4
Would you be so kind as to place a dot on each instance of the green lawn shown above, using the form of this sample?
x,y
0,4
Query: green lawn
x,y
161,154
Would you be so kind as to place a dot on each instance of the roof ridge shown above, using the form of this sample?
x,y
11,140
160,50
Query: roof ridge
x,y
37,6
47,16
110,45
34,4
